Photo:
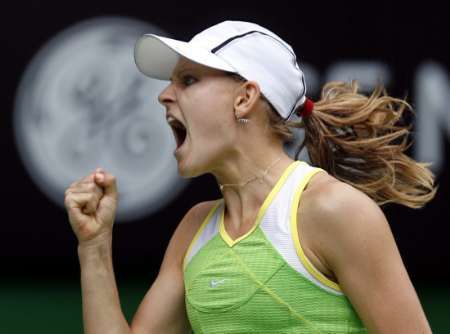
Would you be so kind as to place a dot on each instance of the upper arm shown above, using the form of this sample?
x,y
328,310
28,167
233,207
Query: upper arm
x,y
163,310
355,241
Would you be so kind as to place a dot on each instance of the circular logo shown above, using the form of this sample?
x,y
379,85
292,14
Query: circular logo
x,y
82,104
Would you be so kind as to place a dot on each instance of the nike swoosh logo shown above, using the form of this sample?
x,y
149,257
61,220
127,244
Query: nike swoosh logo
x,y
214,282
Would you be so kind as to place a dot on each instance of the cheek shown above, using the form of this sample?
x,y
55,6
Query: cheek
x,y
211,130
215,98
209,112
215,115
212,135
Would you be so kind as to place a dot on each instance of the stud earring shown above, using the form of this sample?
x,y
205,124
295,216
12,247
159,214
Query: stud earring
x,y
242,120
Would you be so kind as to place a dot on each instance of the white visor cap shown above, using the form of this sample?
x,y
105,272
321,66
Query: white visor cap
x,y
245,48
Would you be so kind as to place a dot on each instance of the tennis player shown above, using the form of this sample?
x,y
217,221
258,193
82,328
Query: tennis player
x,y
291,246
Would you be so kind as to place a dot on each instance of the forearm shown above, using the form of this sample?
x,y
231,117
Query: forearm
x,y
102,313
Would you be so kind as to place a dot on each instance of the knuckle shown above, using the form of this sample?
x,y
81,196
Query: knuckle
x,y
84,181
91,186
67,202
67,197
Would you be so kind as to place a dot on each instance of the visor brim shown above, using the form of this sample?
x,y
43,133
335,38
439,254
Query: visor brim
x,y
156,56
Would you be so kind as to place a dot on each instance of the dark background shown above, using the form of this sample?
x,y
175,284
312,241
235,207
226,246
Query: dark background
x,y
39,264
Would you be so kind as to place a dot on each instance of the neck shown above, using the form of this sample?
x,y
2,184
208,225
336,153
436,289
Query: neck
x,y
246,181
257,178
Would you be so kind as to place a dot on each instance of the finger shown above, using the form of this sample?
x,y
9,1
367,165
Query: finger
x,y
88,178
91,187
94,197
91,207
107,181
86,202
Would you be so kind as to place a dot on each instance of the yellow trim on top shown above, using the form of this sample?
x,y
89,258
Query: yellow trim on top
x,y
262,209
295,235
200,230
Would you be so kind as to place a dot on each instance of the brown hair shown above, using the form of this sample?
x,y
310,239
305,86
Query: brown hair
x,y
361,141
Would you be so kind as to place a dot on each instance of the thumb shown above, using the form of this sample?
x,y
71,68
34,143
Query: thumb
x,y
107,181
108,203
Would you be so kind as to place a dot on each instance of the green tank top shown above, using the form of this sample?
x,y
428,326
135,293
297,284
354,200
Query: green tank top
x,y
247,286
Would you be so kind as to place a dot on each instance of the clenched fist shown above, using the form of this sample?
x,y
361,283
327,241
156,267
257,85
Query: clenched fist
x,y
91,203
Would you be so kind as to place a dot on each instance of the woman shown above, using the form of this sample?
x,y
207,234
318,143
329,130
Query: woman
x,y
290,248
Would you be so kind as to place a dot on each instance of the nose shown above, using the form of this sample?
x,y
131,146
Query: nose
x,y
167,95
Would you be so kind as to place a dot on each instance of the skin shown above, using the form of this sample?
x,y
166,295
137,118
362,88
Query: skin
x,y
217,144
343,232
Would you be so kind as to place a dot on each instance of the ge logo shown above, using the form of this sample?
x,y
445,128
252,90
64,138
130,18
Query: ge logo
x,y
82,104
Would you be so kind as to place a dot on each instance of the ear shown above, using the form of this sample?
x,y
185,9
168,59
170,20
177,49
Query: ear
x,y
246,98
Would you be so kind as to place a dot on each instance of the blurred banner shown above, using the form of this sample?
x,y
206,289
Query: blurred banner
x,y
74,100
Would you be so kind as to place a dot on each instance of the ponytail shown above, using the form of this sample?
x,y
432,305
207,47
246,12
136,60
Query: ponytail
x,y
360,140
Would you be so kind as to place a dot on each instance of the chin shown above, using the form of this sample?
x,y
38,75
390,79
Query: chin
x,y
184,174
188,174
187,171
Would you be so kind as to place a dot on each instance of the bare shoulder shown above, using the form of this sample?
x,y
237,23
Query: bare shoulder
x,y
331,205
349,236
326,195
195,216
332,215
187,228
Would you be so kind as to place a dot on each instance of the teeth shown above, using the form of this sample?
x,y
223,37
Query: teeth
x,y
174,122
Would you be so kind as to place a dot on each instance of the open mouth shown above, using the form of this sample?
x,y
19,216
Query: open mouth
x,y
179,131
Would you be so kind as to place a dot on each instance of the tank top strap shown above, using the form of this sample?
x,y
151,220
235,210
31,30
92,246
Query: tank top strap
x,y
279,226
207,230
